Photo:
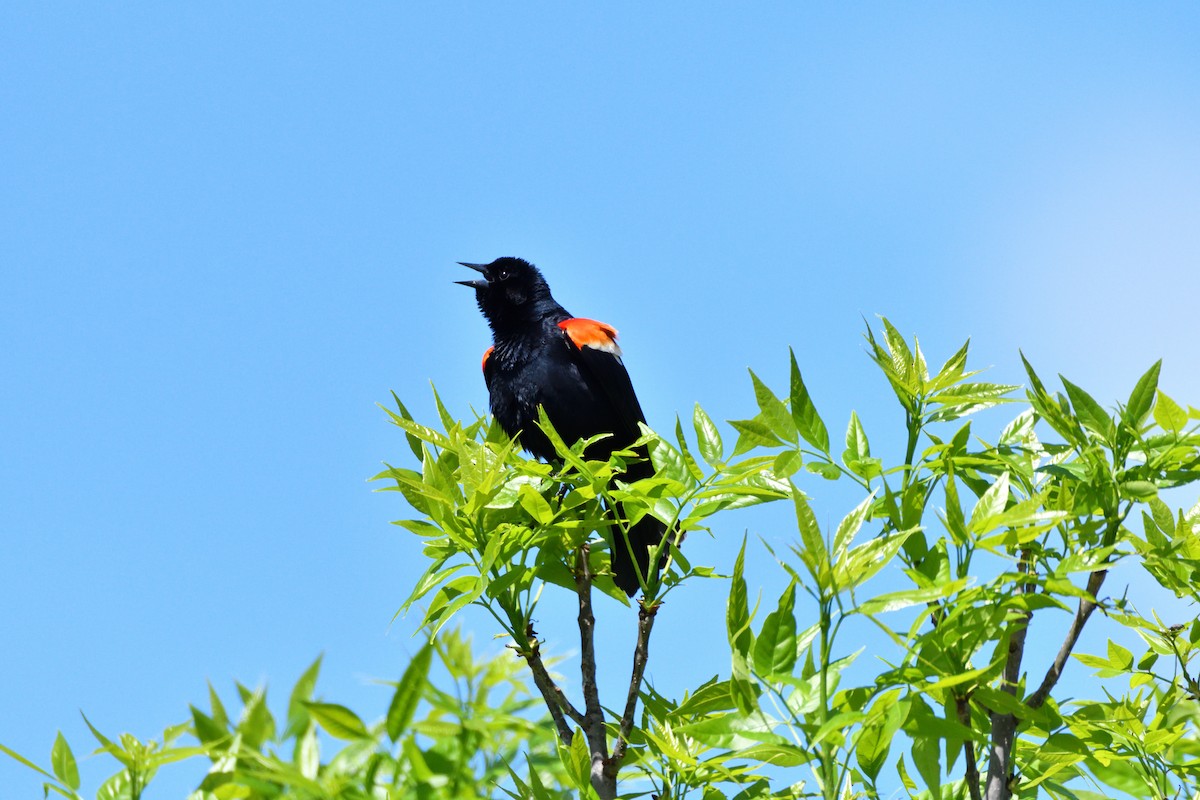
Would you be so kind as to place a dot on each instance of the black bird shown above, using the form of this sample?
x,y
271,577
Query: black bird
x,y
571,367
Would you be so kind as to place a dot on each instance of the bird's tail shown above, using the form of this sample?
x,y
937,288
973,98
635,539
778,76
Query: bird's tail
x,y
644,536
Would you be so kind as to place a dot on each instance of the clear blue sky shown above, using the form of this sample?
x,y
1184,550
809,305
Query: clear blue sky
x,y
227,230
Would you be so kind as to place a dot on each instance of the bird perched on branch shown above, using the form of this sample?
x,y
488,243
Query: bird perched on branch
x,y
571,367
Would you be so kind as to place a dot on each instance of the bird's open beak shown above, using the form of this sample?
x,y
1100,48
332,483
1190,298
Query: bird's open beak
x,y
480,283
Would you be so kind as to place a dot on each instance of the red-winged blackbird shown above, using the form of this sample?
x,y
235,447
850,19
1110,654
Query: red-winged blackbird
x,y
571,367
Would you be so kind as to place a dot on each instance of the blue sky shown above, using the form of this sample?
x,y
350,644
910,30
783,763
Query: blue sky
x,y
228,230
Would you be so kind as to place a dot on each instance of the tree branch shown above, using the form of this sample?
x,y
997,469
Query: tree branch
x,y
593,715
553,696
641,653
1085,609
963,705
1004,726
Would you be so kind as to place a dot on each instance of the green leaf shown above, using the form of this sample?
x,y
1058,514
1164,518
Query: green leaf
x,y
62,760
451,598
804,414
786,464
207,729
776,755
1090,414
1048,409
13,754
116,787
773,412
922,369
414,443
893,601
409,692
218,709
1119,657
752,433
689,460
563,449
1142,398
849,527
668,462
733,731
708,438
1169,415
308,754
577,761
857,446
1138,490
990,505
112,749
1018,430
741,638
952,370
955,522
418,432
812,552
775,645
737,610
297,714
863,562
535,505
908,782
256,725
338,721
926,756
874,738
902,357
829,472
905,393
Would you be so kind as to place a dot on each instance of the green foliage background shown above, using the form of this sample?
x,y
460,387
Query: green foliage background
x,y
987,534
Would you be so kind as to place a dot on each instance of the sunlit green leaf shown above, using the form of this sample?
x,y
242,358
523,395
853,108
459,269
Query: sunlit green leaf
x,y
737,609
812,542
337,720
409,692
708,437
25,761
1090,413
893,601
753,433
62,760
849,527
1169,415
990,504
902,357
773,411
775,645
807,421
297,714
1142,397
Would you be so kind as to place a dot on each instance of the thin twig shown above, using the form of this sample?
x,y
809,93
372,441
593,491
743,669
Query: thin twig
x,y
1004,726
593,714
554,697
641,653
1086,606
972,777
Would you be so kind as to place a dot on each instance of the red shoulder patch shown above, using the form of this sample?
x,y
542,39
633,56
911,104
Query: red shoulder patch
x,y
486,355
590,333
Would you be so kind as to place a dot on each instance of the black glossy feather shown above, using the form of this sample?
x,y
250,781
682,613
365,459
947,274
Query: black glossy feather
x,y
542,356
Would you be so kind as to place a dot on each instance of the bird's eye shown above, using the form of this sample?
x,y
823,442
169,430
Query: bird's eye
x,y
502,275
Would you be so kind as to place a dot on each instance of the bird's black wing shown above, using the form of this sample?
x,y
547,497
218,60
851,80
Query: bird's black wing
x,y
599,357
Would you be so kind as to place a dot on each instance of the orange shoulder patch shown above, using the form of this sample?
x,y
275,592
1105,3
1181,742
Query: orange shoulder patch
x,y
486,355
590,333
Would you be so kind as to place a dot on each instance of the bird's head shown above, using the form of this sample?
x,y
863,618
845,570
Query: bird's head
x,y
509,290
